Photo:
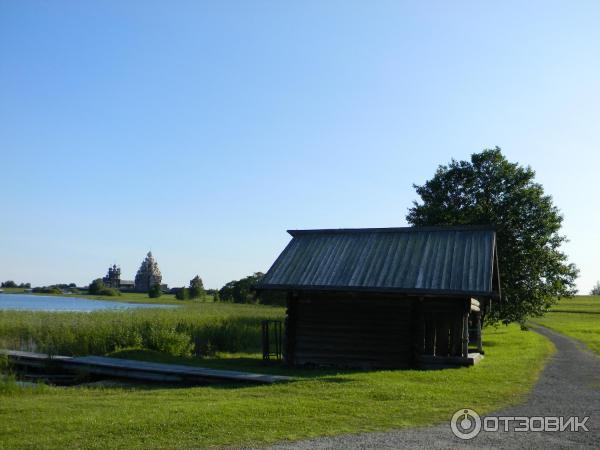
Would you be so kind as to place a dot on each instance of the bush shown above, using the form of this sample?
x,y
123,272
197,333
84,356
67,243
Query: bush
x,y
168,340
96,286
47,290
111,292
155,291
182,294
596,289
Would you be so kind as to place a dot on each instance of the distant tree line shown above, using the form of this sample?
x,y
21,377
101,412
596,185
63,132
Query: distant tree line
x,y
56,288
236,291
596,289
47,290
12,284
241,291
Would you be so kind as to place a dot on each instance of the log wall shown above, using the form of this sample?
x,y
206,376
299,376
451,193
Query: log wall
x,y
350,331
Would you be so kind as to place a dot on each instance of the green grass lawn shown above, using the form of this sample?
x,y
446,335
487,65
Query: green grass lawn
x,y
318,403
578,317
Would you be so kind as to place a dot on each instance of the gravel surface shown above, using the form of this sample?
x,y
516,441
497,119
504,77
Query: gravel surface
x,y
568,386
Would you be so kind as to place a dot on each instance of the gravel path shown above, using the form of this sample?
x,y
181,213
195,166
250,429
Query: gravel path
x,y
568,386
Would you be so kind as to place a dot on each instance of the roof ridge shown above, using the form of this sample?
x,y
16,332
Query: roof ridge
x,y
394,229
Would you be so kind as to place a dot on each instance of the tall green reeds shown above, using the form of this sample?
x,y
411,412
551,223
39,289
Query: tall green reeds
x,y
198,329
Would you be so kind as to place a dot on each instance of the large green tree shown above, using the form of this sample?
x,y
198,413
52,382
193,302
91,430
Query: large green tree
x,y
490,190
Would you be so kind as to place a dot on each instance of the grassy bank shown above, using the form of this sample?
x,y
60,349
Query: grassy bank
x,y
195,328
578,317
319,403
136,297
125,297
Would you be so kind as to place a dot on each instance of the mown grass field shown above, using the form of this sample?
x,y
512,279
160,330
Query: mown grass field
x,y
319,403
578,317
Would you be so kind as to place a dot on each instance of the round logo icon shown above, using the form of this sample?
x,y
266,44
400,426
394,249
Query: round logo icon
x,y
465,424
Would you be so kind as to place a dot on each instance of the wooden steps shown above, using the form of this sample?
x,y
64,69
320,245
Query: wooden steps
x,y
445,362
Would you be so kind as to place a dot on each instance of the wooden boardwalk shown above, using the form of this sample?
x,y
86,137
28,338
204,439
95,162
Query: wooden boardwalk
x,y
137,370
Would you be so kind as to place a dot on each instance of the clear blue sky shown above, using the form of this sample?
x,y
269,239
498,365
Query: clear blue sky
x,y
204,130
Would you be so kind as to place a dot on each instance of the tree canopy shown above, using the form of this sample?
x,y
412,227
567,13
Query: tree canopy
x,y
490,190
196,287
240,291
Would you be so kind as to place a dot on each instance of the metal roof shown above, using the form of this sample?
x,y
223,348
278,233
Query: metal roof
x,y
426,260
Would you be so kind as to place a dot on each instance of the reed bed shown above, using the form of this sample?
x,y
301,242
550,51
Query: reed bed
x,y
196,329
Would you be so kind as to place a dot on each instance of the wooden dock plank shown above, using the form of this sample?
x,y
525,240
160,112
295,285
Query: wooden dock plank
x,y
141,370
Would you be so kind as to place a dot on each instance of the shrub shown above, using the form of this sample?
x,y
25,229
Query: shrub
x,y
182,294
109,291
168,340
96,286
47,290
155,291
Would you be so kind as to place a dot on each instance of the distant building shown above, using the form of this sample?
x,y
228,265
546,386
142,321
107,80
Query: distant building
x,y
127,284
113,278
148,274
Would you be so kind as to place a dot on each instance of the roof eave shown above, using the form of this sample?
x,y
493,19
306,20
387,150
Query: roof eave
x,y
378,290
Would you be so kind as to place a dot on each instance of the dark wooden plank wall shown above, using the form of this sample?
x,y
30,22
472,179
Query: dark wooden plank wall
x,y
350,331
441,327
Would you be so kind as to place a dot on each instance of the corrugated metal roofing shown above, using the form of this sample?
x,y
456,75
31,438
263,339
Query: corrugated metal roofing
x,y
426,260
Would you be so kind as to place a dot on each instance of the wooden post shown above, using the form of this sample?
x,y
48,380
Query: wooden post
x,y
265,340
457,334
429,334
290,328
418,328
442,331
478,325
465,339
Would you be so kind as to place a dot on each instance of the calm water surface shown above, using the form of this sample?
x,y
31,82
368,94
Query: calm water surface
x,y
55,303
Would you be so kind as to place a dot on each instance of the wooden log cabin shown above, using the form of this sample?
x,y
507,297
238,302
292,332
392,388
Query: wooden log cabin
x,y
386,297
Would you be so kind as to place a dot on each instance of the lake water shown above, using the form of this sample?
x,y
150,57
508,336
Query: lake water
x,y
55,303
